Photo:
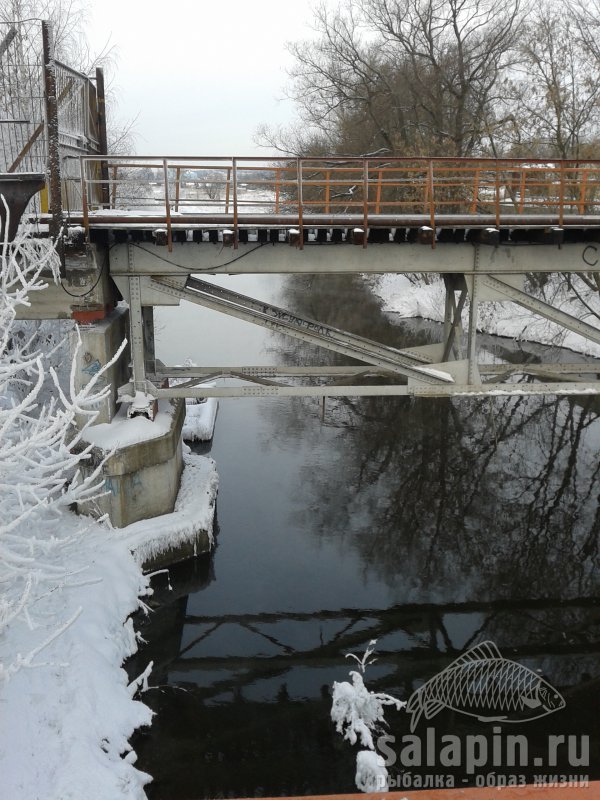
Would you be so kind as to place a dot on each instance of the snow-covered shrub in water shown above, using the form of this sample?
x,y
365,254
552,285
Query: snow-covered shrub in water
x,y
40,449
358,713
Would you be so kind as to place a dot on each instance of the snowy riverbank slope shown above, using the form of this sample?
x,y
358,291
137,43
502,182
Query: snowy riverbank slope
x,y
402,297
66,708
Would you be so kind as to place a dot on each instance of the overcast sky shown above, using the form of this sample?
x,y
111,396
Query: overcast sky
x,y
201,76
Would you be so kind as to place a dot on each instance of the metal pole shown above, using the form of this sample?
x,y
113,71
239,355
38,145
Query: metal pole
x,y
448,309
473,369
102,137
136,323
149,348
53,161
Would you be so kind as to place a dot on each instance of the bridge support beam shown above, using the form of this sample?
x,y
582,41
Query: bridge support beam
x,y
453,330
427,371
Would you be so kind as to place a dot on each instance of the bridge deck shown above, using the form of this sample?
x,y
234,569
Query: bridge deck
x,y
204,193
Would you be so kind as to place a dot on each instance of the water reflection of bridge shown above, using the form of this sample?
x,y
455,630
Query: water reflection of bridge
x,y
413,639
259,711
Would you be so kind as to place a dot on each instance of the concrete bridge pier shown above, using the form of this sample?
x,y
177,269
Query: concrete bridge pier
x,y
143,458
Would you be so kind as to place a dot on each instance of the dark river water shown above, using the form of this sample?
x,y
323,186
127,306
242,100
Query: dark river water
x,y
427,525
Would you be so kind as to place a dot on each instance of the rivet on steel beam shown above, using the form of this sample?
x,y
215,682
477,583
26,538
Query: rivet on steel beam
x,y
425,235
293,237
228,238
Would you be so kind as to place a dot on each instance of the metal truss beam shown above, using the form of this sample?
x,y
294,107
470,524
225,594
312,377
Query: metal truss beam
x,y
542,309
399,390
412,372
199,374
274,318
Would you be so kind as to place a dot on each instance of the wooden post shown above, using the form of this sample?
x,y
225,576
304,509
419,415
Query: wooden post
x,y
102,137
51,104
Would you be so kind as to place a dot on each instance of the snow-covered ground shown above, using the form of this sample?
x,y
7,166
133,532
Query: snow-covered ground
x,y
66,707
401,296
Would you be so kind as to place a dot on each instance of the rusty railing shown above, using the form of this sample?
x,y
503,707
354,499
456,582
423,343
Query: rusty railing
x,y
242,192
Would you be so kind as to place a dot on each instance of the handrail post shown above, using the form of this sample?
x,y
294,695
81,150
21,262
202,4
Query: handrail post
x,y
300,208
277,189
177,188
227,190
114,186
522,189
84,201
365,202
431,205
561,206
167,206
497,187
475,199
235,205
327,191
582,191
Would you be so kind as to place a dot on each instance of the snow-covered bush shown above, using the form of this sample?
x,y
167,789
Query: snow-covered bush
x,y
41,449
358,713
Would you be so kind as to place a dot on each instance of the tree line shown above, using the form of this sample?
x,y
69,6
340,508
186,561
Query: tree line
x,y
447,78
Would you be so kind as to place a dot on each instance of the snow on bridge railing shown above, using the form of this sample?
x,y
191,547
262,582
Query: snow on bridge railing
x,y
187,192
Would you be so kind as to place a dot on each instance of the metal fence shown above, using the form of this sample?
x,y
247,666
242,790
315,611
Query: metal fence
x,y
24,116
240,192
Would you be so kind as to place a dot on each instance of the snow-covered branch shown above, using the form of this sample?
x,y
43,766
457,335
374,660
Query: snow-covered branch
x,y
358,713
41,448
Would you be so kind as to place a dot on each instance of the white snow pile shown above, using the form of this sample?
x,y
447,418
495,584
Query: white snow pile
x,y
67,710
358,713
193,513
508,319
122,431
200,413
199,424
371,774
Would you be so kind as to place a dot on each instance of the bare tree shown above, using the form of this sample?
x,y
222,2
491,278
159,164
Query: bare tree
x,y
416,77
557,92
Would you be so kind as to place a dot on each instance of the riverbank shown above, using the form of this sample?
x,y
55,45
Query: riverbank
x,y
67,705
402,297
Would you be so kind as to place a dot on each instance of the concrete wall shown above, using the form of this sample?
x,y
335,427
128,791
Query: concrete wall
x,y
99,341
141,480
87,287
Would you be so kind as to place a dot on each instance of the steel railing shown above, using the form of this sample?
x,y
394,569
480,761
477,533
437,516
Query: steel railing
x,y
367,192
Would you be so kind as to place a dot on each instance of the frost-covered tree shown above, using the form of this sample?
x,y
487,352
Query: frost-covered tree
x,y
358,713
41,447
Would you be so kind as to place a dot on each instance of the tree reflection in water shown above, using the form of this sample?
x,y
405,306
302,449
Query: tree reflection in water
x,y
488,498
482,515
